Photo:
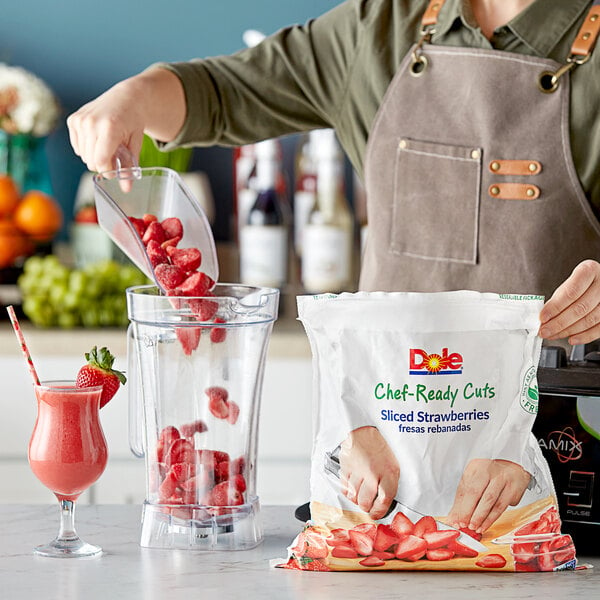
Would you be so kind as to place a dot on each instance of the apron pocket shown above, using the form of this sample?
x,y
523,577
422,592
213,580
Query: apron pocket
x,y
436,201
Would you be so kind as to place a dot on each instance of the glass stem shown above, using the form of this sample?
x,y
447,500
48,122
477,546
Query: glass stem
x,y
67,521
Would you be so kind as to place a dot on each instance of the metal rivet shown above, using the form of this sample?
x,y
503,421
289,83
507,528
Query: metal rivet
x,y
495,166
475,154
533,167
403,144
530,192
435,7
594,18
586,36
495,190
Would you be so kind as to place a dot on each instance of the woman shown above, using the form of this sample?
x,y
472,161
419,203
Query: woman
x,y
479,175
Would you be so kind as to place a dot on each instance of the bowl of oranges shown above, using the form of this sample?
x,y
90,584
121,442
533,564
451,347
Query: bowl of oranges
x,y
28,220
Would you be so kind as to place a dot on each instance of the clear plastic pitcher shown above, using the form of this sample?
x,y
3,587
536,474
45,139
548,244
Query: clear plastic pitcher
x,y
194,389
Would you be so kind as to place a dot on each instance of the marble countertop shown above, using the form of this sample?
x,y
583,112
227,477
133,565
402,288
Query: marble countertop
x,y
127,571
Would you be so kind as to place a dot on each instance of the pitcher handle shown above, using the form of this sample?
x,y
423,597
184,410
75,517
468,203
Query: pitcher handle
x,y
136,408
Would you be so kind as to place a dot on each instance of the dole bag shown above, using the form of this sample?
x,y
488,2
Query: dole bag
x,y
423,456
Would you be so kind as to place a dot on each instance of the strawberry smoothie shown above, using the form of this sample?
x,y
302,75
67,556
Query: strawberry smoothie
x,y
67,450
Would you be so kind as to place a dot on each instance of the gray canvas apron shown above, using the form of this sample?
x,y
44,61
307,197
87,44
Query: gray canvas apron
x,y
470,179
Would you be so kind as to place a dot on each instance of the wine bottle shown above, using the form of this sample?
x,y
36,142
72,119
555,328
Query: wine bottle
x,y
329,233
264,236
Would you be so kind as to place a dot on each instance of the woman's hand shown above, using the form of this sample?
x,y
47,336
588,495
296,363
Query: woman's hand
x,y
369,471
573,311
151,102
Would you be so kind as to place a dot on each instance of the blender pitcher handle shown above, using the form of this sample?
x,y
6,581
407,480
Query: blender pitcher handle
x,y
136,438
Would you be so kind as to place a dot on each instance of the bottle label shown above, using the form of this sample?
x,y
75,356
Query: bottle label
x,y
303,204
263,255
326,253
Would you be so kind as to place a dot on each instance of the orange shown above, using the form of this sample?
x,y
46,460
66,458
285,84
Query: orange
x,y
38,215
9,196
13,244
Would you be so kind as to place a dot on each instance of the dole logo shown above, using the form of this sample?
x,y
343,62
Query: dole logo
x,y
423,363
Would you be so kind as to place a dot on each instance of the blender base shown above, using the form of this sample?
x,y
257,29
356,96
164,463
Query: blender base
x,y
198,527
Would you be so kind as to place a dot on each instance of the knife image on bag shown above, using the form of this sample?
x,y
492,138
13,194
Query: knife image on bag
x,y
332,468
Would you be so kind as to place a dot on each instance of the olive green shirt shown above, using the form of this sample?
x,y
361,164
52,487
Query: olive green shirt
x,y
334,71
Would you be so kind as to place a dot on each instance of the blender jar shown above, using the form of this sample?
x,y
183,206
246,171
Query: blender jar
x,y
194,392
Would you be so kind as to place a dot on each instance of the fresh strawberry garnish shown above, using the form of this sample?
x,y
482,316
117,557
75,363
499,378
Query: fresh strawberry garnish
x,y
99,371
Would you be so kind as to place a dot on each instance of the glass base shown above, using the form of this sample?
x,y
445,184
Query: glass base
x,y
68,548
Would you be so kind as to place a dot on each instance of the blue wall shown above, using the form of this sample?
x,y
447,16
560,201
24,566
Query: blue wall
x,y
82,47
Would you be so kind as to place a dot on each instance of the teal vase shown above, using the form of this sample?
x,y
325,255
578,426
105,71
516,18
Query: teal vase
x,y
24,158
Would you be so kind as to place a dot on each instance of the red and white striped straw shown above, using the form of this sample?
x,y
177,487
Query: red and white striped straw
x,y
25,350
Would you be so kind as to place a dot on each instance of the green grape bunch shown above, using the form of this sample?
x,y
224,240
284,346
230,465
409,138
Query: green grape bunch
x,y
55,295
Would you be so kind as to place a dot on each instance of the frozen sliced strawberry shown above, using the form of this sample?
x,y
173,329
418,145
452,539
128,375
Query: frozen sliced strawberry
x,y
187,259
196,284
171,242
369,528
155,232
234,412
524,552
239,483
189,496
383,555
218,334
564,555
204,309
156,254
385,538
217,401
402,525
222,471
167,436
221,456
417,556
439,554
361,542
344,551
139,225
167,488
189,338
372,561
527,567
462,550
182,471
438,539
169,276
181,451
238,465
189,429
172,227
491,561
423,525
224,494
410,546
149,218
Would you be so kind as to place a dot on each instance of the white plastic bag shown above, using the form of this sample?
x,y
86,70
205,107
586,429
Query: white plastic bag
x,y
423,455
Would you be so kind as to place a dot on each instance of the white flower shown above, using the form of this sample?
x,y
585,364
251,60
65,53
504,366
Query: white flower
x,y
27,105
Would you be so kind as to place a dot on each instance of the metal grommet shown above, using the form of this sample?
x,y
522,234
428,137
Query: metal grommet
x,y
418,65
548,82
495,166
494,190
403,144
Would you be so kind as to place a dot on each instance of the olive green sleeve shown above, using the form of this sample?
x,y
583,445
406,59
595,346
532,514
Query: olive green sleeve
x,y
295,80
